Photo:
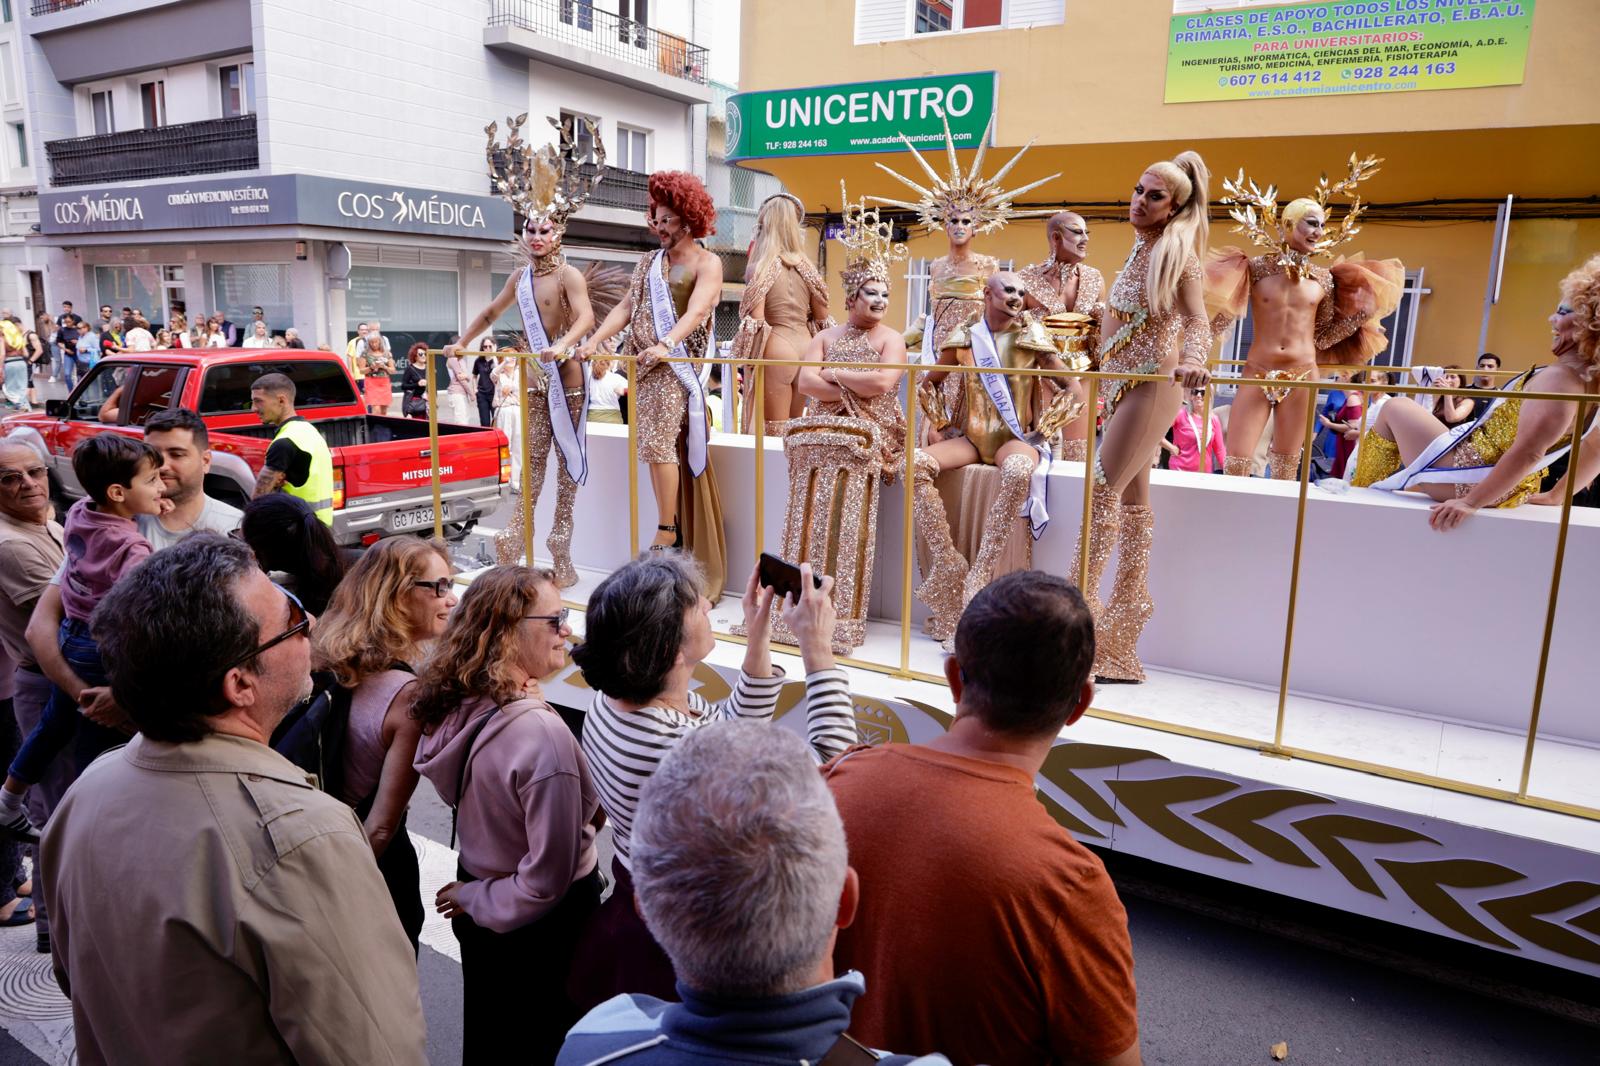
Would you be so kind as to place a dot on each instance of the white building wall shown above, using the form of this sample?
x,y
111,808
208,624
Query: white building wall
x,y
552,90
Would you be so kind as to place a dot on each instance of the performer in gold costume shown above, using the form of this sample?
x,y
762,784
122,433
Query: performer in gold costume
x,y
1155,323
1499,458
851,441
1006,422
667,311
1061,286
545,188
1302,314
964,205
785,302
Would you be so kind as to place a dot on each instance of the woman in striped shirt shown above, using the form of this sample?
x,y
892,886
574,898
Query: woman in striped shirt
x,y
646,630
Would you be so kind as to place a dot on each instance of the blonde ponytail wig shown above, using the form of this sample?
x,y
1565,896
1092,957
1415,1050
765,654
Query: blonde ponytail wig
x,y
1188,228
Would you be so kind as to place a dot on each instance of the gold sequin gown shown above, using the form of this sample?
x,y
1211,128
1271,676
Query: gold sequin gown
x,y
1146,343
660,413
1379,457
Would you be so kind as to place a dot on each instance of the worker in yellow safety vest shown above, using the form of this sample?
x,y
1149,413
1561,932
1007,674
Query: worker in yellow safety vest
x,y
298,461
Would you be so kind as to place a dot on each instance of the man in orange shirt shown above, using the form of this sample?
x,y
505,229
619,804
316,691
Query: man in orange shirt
x,y
990,934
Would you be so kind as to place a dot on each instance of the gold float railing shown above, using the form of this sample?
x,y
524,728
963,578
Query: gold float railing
x,y
1276,747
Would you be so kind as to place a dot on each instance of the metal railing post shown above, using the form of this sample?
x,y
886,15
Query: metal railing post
x,y
433,448
1294,572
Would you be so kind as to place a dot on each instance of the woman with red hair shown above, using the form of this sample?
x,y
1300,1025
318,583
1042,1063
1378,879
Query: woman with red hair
x,y
667,312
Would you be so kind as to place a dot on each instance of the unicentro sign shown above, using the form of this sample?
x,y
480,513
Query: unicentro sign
x,y
860,117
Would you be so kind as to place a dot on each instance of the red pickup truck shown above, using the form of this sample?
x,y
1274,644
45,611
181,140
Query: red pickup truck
x,y
381,465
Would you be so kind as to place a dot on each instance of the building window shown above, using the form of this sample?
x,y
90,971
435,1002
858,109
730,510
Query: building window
x,y
633,148
411,304
237,289
105,118
5,10
153,103
579,13
635,19
572,127
941,16
238,85
21,133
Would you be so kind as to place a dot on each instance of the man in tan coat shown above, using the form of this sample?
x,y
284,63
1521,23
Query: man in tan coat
x,y
207,903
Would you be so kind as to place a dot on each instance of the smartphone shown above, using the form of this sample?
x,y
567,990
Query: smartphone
x,y
781,576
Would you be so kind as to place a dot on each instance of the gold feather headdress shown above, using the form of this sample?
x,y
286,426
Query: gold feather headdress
x,y
549,183
989,203
869,245
1256,210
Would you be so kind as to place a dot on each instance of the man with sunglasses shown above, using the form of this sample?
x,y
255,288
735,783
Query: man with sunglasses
x,y
275,880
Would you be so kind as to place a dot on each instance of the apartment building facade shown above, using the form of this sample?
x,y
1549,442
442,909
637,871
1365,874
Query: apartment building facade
x,y
326,161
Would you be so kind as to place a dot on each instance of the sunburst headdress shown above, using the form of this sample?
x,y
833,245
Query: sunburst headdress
x,y
988,201
548,183
869,245
1256,211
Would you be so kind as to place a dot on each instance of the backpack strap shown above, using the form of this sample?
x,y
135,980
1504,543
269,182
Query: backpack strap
x,y
461,789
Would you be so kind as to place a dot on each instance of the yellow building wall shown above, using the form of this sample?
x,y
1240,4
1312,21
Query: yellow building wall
x,y
1100,75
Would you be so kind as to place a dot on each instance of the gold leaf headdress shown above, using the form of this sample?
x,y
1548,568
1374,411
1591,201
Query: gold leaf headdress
x,y
1256,211
989,203
869,245
549,183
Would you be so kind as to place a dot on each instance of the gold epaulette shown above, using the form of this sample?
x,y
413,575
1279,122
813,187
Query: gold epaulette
x,y
959,337
1033,336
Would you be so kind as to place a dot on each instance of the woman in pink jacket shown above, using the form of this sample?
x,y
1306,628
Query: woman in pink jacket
x,y
1184,449
526,811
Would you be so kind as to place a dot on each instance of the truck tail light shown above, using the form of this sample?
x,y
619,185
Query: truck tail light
x,y
338,488
505,465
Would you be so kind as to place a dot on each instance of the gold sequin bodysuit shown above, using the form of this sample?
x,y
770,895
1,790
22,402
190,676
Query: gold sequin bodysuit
x,y
1091,288
1148,342
1018,348
956,300
883,410
662,405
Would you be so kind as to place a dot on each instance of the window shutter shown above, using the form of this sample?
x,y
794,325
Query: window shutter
x,y
880,20
1024,13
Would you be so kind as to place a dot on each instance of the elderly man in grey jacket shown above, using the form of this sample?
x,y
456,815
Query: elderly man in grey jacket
x,y
208,903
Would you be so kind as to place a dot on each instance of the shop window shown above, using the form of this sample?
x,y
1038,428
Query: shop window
x,y
237,85
633,150
103,112
153,103
153,392
411,304
239,288
131,286
323,383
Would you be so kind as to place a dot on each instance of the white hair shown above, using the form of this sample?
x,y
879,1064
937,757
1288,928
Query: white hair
x,y
739,860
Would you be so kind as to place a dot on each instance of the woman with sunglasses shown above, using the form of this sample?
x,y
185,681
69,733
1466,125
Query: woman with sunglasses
x,y
1184,450
289,541
384,616
1499,458
528,877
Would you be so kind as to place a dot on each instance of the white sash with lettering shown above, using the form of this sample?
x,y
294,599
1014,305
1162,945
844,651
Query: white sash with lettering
x,y
985,356
929,356
666,318
571,441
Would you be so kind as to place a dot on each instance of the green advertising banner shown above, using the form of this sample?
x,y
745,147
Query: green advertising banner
x,y
1358,46
860,117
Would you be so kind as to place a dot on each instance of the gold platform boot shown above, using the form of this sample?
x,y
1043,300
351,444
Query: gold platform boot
x,y
1116,633
1015,474
942,586
1236,466
509,542
1284,466
560,540
1105,522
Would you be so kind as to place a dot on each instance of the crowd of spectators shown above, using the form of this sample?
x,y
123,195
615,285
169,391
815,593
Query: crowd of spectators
x,y
770,888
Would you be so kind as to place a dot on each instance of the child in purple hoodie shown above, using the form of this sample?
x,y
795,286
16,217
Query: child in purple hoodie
x,y
122,478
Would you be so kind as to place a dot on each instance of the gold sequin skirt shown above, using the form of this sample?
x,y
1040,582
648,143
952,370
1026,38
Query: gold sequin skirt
x,y
662,406
1378,458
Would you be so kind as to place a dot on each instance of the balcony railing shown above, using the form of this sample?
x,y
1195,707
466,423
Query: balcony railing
x,y
208,147
627,189
50,7
581,23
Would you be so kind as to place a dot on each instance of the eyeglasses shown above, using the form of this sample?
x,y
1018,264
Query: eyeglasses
x,y
558,620
12,478
299,622
441,588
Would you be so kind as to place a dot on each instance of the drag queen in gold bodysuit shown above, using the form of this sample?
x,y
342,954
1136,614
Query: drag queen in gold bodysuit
x,y
1498,458
1302,314
1061,286
553,297
785,303
964,205
667,311
1155,323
